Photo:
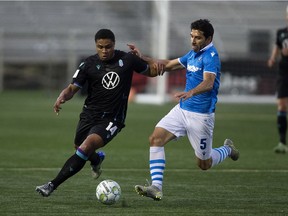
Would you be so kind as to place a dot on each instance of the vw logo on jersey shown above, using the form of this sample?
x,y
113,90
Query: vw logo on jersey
x,y
110,80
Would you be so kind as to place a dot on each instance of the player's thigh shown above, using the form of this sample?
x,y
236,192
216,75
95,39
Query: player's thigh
x,y
200,134
82,131
173,123
282,94
104,128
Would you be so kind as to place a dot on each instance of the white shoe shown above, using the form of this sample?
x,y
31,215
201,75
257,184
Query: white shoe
x,y
46,189
149,191
234,151
281,148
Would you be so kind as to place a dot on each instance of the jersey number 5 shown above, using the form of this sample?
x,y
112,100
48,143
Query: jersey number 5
x,y
203,143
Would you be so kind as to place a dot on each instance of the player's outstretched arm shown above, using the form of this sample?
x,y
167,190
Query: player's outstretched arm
x,y
64,96
159,66
155,68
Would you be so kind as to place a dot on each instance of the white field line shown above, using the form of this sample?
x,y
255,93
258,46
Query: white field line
x,y
25,169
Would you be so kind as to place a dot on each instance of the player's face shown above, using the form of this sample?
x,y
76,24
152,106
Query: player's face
x,y
198,40
105,49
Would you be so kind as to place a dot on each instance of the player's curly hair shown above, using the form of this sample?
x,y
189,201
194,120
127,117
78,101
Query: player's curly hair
x,y
105,34
203,25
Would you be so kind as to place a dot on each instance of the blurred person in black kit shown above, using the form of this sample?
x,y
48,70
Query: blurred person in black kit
x,y
108,74
281,48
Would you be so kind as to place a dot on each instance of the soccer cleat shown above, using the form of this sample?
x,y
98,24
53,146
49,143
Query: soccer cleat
x,y
234,155
281,148
46,189
96,169
149,191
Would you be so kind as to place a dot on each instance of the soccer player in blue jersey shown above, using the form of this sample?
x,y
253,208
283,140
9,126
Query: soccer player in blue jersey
x,y
194,116
281,49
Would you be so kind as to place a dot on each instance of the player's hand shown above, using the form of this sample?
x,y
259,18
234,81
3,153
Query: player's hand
x,y
270,62
160,68
156,68
134,50
183,95
57,106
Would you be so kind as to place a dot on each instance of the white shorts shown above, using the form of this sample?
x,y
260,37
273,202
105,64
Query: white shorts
x,y
197,126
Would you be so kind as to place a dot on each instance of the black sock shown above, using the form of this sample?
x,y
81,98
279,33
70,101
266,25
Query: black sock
x,y
73,165
94,159
282,126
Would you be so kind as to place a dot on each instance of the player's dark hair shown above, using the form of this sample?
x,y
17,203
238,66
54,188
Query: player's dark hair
x,y
203,25
105,34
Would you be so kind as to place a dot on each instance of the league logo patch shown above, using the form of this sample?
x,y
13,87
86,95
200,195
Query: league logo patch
x,y
121,63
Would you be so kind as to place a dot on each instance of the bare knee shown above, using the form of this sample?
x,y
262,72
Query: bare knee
x,y
204,164
155,141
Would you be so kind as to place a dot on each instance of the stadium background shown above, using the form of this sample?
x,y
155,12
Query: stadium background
x,y
41,43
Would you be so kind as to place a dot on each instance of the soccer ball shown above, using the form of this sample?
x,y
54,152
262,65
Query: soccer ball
x,y
108,192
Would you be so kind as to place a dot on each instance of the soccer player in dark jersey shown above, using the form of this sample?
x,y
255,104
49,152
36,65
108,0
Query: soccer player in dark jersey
x,y
108,75
281,48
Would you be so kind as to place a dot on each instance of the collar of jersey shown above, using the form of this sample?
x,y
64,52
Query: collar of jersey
x,y
207,47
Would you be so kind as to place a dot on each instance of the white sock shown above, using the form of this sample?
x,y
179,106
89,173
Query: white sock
x,y
157,165
220,154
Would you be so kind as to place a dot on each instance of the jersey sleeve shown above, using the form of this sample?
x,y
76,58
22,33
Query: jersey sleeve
x,y
184,59
211,62
281,38
277,42
79,77
139,65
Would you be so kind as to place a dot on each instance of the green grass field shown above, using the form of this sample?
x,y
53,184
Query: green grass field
x,y
35,143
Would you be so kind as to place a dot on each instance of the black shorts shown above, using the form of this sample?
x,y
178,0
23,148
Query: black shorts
x,y
90,123
282,79
282,88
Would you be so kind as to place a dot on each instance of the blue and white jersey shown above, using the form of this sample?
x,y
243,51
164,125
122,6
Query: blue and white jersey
x,y
197,63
